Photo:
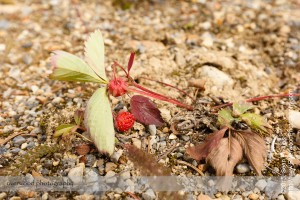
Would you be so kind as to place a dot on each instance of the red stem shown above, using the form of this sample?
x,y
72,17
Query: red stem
x,y
166,84
258,98
121,68
135,197
161,98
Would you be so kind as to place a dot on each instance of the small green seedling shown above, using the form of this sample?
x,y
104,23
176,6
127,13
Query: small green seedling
x,y
65,129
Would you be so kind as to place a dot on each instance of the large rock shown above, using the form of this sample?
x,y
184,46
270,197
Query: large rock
x,y
293,195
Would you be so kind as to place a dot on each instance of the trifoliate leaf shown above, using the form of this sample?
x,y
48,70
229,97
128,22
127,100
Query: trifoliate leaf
x,y
241,107
63,129
225,117
256,121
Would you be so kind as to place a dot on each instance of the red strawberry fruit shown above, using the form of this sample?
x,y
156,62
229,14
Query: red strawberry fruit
x,y
124,121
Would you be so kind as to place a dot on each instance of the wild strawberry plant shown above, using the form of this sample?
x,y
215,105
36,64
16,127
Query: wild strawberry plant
x,y
98,116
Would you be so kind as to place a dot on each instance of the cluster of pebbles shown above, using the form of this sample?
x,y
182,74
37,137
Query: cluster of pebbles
x,y
242,49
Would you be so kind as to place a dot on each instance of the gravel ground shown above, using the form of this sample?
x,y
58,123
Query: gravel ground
x,y
242,49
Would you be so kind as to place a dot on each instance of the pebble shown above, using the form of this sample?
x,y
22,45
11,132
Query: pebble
x,y
219,78
242,168
186,138
149,195
172,137
91,175
137,143
36,131
7,129
253,196
84,197
24,146
15,151
294,118
152,129
3,195
45,172
18,141
76,174
57,100
116,155
110,166
112,179
180,60
292,195
91,159
48,163
261,184
45,196
280,197
125,174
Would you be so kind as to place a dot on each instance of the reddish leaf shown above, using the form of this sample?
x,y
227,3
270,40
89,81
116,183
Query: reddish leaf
x,y
82,149
130,62
145,111
225,156
211,141
254,147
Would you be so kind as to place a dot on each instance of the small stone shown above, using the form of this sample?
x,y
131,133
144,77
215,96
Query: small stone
x,y
261,184
125,174
55,163
76,174
242,168
110,166
294,118
57,100
84,197
253,196
180,60
219,78
224,197
36,131
3,195
203,197
24,146
186,138
41,99
45,171
48,163
280,197
27,59
136,142
15,198
91,159
15,151
165,130
149,195
116,155
18,141
292,195
172,137
152,129
110,177
45,196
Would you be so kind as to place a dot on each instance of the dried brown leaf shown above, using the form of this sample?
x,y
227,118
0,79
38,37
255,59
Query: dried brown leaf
x,y
82,149
211,141
223,159
254,147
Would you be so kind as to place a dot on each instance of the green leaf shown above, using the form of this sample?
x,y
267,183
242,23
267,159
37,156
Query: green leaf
x,y
63,129
68,67
256,121
224,117
98,120
241,107
78,116
94,53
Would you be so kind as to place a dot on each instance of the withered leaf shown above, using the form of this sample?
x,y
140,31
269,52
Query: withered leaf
x,y
254,148
211,141
145,111
225,156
